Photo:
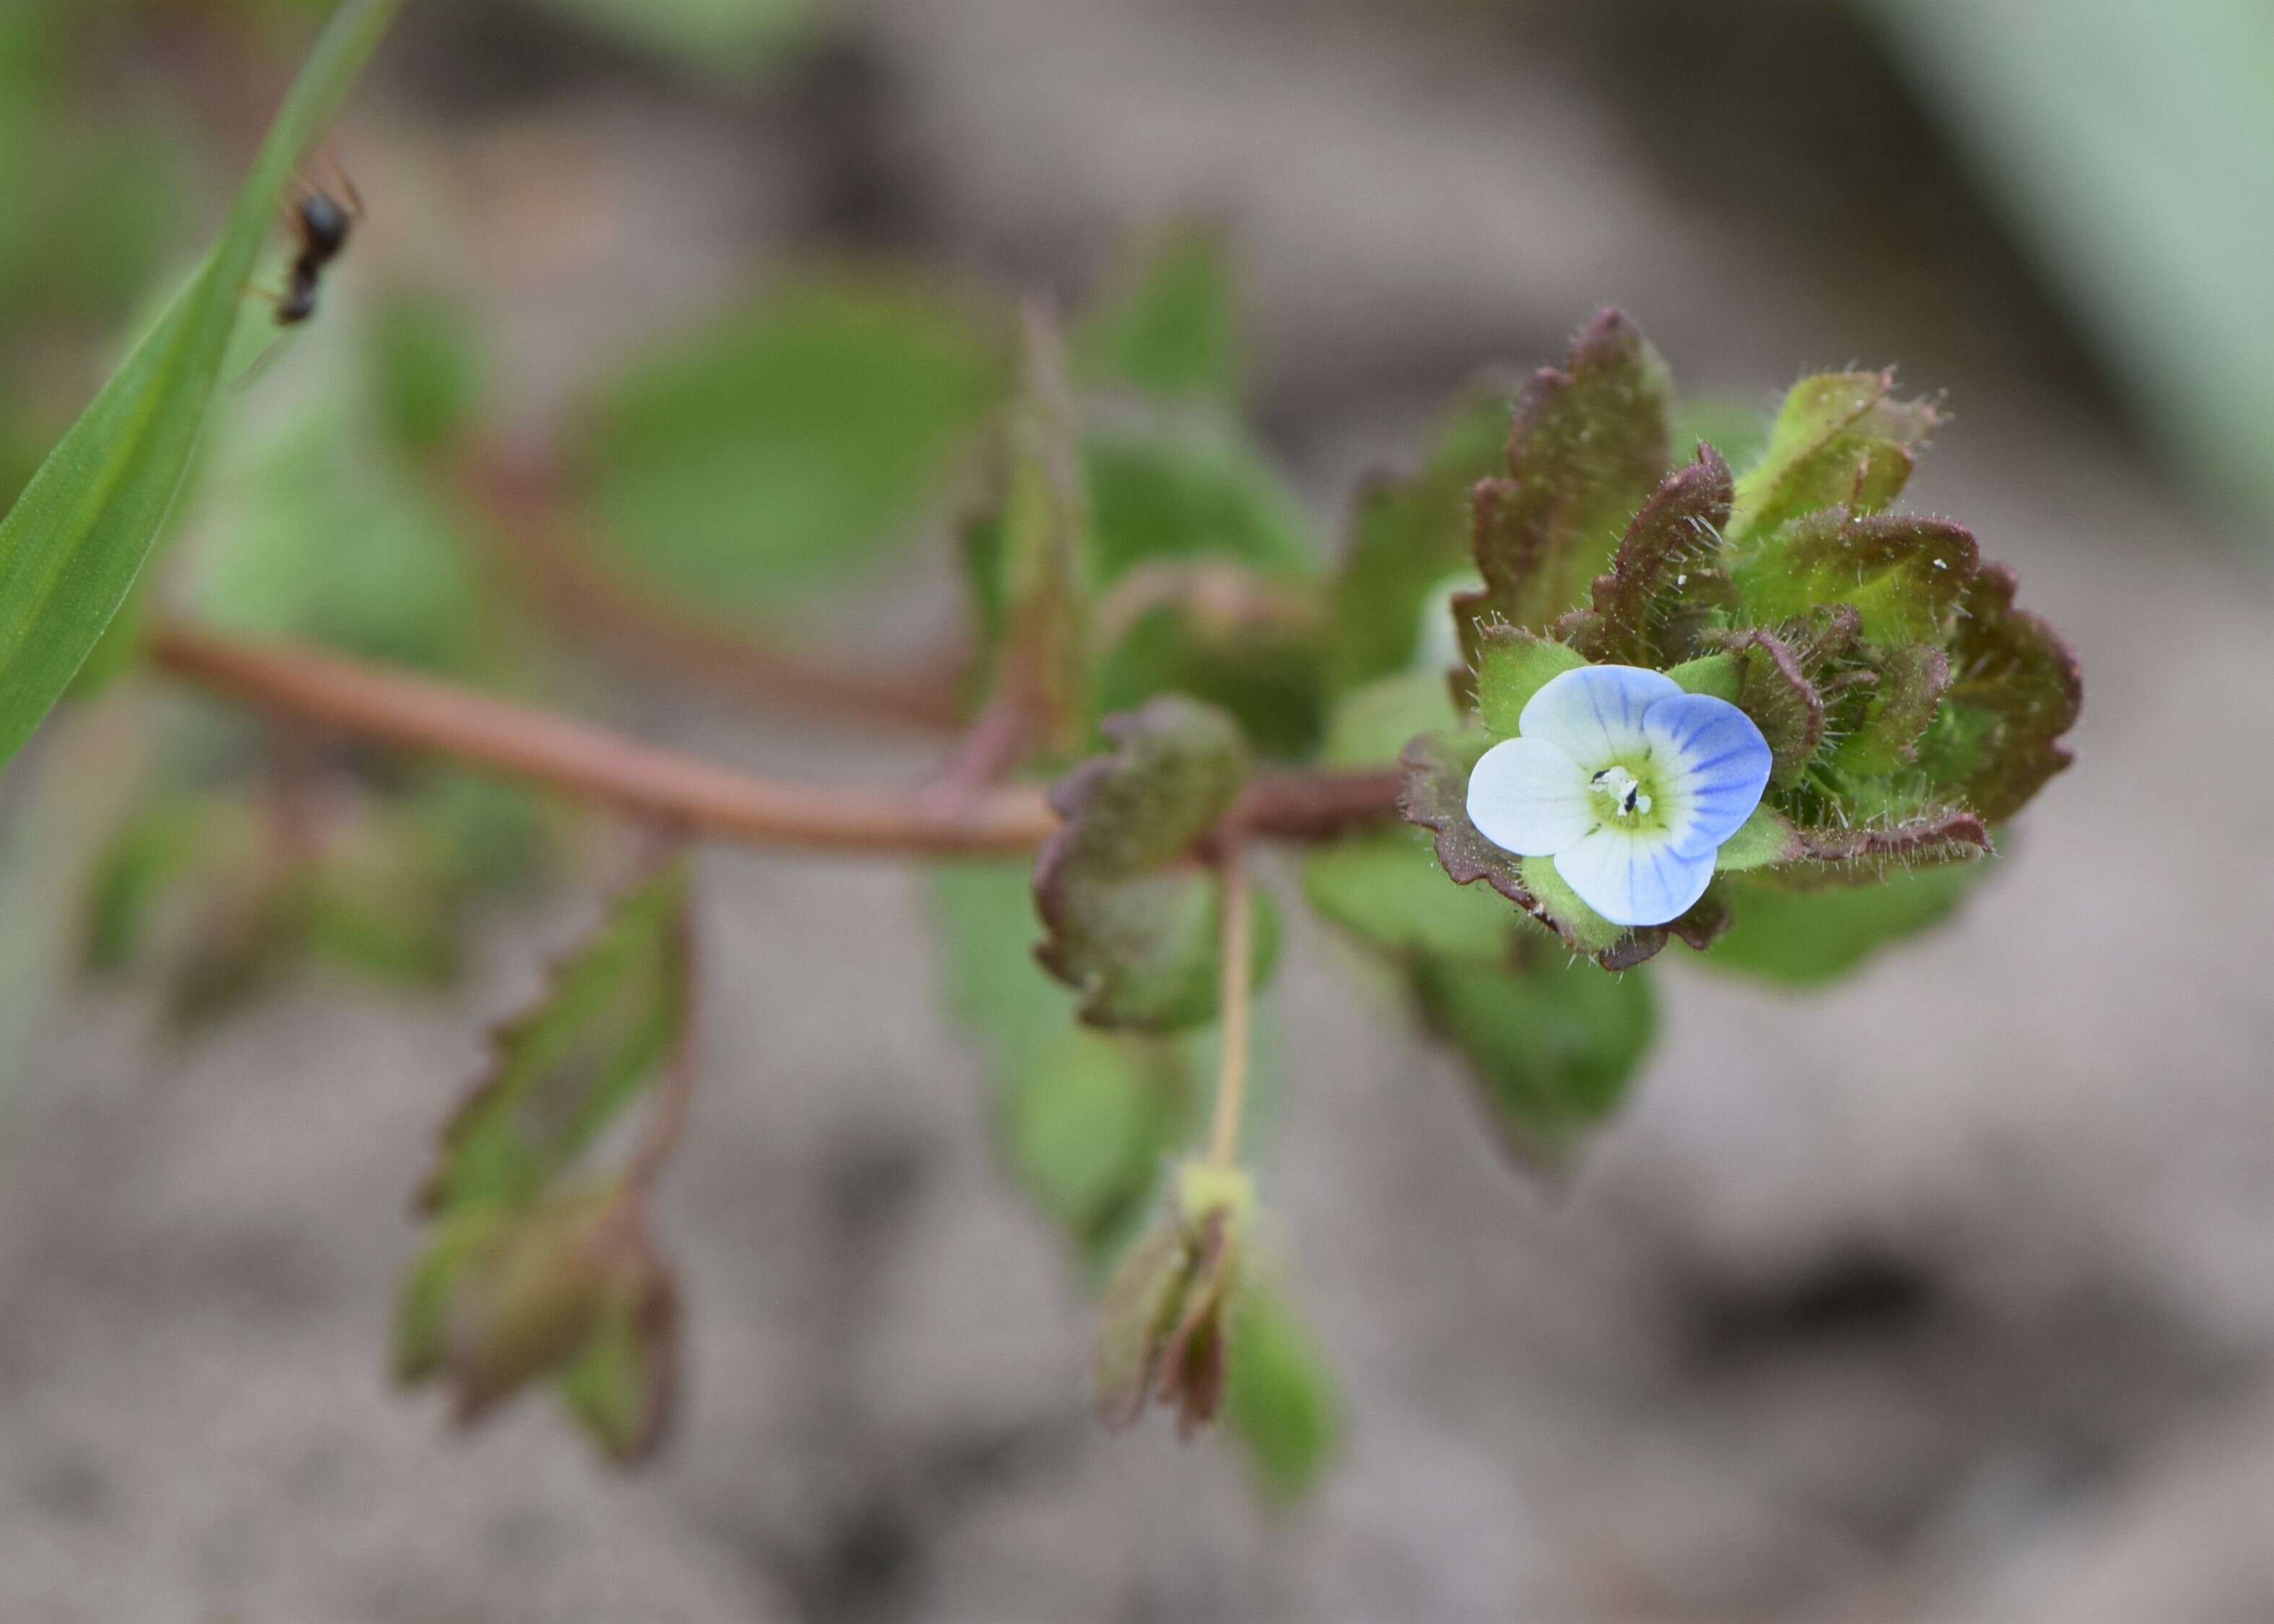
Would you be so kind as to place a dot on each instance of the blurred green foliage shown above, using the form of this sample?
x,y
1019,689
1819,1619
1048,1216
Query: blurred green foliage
x,y
791,444
1172,328
732,39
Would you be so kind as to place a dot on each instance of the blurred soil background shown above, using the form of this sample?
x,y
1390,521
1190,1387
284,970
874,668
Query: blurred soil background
x,y
1946,1295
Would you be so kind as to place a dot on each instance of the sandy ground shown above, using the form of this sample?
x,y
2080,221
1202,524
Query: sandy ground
x,y
1947,1296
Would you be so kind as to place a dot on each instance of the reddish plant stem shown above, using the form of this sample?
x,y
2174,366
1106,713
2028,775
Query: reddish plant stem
x,y
986,754
685,791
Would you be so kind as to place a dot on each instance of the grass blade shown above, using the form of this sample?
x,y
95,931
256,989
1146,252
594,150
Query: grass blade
x,y
71,548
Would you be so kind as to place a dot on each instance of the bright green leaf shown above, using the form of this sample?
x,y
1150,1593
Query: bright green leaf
x,y
1841,440
76,539
1513,665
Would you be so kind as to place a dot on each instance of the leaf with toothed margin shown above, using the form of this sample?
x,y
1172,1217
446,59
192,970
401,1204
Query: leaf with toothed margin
x,y
1912,679
1666,576
2015,688
1809,855
1134,914
1586,446
1841,440
1437,768
570,1065
1906,577
1552,1046
1775,692
1409,537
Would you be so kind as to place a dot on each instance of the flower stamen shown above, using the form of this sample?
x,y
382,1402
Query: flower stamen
x,y
1623,791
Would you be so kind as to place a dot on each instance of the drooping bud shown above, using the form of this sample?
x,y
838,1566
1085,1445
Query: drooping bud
x,y
1162,1330
569,1288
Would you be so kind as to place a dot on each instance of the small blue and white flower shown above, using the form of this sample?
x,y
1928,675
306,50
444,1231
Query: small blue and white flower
x,y
1629,782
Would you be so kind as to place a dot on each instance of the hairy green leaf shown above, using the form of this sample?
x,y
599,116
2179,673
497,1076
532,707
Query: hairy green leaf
x,y
1905,575
2015,688
1587,446
1511,666
73,543
1841,440
1133,916
1665,579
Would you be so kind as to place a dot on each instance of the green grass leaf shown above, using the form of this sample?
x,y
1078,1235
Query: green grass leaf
x,y
73,543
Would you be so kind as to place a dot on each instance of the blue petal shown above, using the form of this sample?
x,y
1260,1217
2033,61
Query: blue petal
x,y
1635,881
1595,713
1528,797
1713,765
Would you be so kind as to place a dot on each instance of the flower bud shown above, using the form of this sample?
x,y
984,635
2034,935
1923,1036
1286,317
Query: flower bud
x,y
1162,1335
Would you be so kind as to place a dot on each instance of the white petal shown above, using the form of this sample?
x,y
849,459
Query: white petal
x,y
1713,765
1528,797
1634,882
1594,713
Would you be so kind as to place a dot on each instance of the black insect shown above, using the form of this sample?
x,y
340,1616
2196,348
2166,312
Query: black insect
x,y
324,224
